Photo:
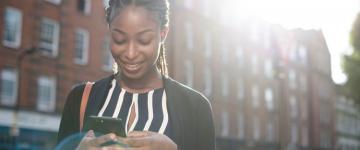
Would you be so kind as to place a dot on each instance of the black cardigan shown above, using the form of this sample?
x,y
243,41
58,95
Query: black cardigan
x,y
189,111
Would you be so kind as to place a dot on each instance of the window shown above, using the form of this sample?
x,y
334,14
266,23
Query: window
x,y
292,78
224,85
46,95
188,4
269,98
81,46
254,63
9,83
208,45
268,68
225,53
240,56
241,130
302,52
304,109
240,89
108,60
270,131
189,35
293,107
292,53
189,73
304,135
254,32
207,81
49,37
303,82
12,27
267,38
225,124
206,6
57,2
84,6
294,133
255,96
256,128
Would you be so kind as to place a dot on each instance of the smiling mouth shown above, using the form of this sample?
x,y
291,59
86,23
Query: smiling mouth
x,y
131,67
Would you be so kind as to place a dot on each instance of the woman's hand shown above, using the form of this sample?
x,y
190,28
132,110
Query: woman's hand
x,y
146,140
90,142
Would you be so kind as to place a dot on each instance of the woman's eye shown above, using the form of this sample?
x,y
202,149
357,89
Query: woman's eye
x,y
119,42
144,41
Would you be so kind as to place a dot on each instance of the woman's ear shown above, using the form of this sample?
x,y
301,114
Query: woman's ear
x,y
163,33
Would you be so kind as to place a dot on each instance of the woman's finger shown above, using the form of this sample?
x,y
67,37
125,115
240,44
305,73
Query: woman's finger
x,y
104,138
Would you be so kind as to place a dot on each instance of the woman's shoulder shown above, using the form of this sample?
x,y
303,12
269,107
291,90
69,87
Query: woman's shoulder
x,y
182,90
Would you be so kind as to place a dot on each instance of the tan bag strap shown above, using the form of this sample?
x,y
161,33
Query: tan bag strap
x,y
84,100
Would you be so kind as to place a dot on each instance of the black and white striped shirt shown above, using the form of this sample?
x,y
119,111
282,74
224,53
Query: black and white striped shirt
x,y
151,113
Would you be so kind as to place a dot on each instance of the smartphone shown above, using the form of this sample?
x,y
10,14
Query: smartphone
x,y
105,125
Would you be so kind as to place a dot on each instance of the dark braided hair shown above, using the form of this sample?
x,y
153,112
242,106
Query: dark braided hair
x,y
161,11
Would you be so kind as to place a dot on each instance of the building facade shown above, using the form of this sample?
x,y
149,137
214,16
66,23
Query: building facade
x,y
347,123
71,46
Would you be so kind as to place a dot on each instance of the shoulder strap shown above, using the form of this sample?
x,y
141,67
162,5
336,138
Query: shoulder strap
x,y
84,100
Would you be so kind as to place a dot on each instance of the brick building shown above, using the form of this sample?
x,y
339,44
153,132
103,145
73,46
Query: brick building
x,y
71,46
270,88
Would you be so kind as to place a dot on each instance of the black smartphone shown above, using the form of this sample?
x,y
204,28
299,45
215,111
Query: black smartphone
x,y
105,125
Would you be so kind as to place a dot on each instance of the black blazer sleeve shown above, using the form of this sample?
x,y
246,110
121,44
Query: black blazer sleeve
x,y
205,126
71,113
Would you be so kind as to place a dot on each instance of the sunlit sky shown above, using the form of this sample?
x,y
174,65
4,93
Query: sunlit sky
x,y
333,17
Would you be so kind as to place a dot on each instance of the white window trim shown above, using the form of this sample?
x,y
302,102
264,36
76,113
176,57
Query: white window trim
x,y
208,81
17,42
208,45
225,85
255,96
189,74
87,10
10,74
256,129
85,51
240,89
269,98
241,126
188,4
189,35
51,81
56,2
225,124
54,47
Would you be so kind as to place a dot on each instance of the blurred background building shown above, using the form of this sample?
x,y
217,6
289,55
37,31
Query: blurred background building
x,y
270,88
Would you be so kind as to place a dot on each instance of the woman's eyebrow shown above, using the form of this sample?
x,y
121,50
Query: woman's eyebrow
x,y
145,31
119,31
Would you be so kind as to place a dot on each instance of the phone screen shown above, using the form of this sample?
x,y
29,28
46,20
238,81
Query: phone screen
x,y
105,125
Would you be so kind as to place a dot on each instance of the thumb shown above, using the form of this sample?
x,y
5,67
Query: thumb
x,y
90,134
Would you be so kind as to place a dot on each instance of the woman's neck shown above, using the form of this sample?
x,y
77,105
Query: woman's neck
x,y
147,83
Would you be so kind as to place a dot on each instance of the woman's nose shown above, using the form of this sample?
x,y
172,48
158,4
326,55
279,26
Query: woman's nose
x,y
131,51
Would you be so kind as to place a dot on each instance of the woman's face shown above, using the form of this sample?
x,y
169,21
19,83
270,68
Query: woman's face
x,y
136,39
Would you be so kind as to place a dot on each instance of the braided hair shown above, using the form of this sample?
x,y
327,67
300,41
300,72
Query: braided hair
x,y
161,11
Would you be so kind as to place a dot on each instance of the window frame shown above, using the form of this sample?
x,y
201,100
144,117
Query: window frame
x,y
49,82
84,46
11,74
50,49
18,30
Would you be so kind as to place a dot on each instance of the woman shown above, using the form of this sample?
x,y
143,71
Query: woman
x,y
160,113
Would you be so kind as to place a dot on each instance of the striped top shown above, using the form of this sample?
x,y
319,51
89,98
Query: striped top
x,y
151,112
